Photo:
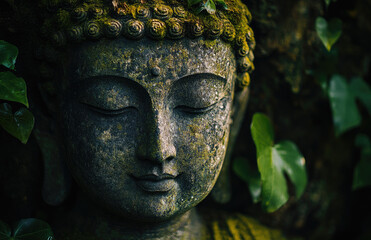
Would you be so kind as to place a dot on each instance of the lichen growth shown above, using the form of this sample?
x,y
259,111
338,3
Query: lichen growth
x,y
58,13
74,21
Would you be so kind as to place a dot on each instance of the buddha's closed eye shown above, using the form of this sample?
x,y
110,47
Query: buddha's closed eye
x,y
193,95
110,95
110,112
196,110
198,93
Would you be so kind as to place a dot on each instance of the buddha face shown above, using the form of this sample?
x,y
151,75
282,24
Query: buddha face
x,y
146,123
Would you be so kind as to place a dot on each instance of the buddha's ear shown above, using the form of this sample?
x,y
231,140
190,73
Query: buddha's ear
x,y
44,71
222,190
56,181
48,94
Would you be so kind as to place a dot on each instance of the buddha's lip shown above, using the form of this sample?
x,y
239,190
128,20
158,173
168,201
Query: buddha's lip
x,y
155,183
154,177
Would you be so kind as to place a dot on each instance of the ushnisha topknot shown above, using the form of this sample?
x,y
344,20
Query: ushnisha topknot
x,y
72,21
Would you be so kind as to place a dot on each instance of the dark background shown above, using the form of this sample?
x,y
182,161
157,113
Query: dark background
x,y
288,48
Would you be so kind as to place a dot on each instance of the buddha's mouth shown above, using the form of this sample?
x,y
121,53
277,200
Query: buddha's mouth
x,y
155,183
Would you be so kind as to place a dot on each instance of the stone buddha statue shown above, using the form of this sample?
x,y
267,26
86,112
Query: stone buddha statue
x,y
142,99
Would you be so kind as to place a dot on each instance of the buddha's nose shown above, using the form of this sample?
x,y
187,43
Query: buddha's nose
x,y
157,140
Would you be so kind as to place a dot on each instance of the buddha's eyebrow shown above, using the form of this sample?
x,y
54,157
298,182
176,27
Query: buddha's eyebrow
x,y
105,77
202,76
97,79
85,73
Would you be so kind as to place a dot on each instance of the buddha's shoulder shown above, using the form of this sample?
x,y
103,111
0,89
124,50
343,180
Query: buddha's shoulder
x,y
221,225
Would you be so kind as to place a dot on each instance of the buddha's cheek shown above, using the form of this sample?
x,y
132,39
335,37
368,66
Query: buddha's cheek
x,y
102,153
200,157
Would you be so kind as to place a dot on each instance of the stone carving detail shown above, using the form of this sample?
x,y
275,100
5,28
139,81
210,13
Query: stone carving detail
x,y
180,12
162,12
75,33
245,65
243,50
229,32
93,29
176,28
215,29
156,29
196,28
94,19
79,14
134,29
143,13
113,28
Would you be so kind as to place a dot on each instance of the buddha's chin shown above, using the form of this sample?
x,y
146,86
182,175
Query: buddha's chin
x,y
150,213
144,206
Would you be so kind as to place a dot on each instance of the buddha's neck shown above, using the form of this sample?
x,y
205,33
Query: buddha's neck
x,y
92,222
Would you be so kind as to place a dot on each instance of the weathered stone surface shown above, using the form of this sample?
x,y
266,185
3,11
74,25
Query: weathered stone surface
x,y
143,146
146,148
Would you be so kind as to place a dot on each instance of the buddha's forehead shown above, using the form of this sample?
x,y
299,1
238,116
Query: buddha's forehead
x,y
148,62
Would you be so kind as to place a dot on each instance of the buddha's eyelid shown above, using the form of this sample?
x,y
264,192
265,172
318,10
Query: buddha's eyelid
x,y
202,109
108,108
96,79
203,76
111,112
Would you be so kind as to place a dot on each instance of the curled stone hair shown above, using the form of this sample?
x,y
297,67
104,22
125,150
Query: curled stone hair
x,y
71,21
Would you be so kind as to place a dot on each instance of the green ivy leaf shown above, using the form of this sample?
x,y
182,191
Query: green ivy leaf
x,y
27,229
18,125
262,132
13,88
362,172
210,6
31,229
293,163
361,90
222,4
328,32
8,54
250,175
273,162
5,232
345,113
